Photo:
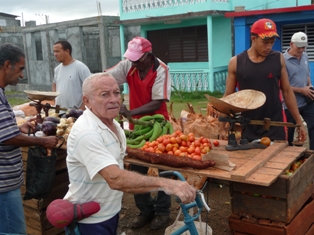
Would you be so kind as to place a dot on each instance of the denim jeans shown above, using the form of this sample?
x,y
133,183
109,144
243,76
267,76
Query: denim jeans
x,y
12,220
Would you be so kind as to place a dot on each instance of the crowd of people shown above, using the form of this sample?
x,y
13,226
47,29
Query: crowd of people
x,y
96,145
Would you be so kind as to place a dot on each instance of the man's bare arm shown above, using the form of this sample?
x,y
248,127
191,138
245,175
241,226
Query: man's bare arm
x,y
132,182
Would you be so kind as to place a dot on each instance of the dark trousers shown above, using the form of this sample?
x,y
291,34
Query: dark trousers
x,y
108,227
307,112
148,205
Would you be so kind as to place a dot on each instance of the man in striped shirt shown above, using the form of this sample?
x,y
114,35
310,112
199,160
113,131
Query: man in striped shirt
x,y
12,63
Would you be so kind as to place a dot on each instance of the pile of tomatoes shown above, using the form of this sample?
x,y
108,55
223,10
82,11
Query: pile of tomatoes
x,y
181,145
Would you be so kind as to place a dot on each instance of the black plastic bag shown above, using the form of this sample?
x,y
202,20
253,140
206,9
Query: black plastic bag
x,y
40,172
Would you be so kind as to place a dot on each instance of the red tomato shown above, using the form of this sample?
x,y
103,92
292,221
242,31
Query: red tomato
x,y
197,157
168,147
173,140
178,140
184,143
183,137
197,143
161,147
166,141
197,151
216,142
177,152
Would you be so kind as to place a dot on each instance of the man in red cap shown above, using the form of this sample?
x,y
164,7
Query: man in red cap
x,y
149,90
260,68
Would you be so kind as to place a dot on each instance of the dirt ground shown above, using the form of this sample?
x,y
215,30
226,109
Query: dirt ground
x,y
218,199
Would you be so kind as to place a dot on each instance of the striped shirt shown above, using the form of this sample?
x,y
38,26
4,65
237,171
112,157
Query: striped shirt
x,y
11,165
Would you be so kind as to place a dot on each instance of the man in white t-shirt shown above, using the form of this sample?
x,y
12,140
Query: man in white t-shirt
x,y
69,77
96,148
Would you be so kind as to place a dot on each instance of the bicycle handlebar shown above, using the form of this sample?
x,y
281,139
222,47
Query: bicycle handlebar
x,y
200,201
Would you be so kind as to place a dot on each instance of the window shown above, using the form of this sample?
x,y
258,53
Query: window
x,y
289,30
38,46
188,44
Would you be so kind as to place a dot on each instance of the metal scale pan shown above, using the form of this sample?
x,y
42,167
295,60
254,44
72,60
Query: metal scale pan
x,y
240,101
41,95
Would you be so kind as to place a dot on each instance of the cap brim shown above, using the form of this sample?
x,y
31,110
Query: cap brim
x,y
268,35
133,56
301,44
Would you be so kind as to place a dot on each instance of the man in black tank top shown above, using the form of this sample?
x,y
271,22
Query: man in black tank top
x,y
260,68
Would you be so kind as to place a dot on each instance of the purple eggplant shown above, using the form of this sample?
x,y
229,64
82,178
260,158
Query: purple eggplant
x,y
76,113
49,128
52,119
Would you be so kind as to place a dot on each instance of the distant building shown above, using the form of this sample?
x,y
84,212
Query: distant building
x,y
95,41
8,23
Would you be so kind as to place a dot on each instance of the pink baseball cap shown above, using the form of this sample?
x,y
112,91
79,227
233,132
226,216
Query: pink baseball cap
x,y
137,47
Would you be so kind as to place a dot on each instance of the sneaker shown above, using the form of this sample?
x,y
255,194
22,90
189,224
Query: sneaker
x,y
141,220
159,221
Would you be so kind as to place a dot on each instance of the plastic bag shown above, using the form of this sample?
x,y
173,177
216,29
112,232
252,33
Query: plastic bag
x,y
40,172
202,227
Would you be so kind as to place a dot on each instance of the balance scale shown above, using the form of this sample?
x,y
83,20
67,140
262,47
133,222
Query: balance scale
x,y
37,97
235,104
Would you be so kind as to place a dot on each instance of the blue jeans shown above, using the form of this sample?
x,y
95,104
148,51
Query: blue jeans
x,y
12,220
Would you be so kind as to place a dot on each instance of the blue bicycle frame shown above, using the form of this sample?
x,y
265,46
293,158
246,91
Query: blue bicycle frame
x,y
188,219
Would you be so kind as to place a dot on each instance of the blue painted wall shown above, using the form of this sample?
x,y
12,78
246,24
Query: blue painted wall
x,y
175,7
242,29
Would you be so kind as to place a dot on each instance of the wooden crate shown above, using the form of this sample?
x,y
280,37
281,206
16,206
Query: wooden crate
x,y
280,201
301,224
35,210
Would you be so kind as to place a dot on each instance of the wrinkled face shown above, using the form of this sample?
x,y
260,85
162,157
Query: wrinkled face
x,y
105,99
59,53
296,51
263,46
14,72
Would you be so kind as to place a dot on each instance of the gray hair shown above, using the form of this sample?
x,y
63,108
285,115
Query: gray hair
x,y
88,84
10,52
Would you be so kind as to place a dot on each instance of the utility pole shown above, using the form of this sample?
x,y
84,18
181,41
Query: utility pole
x,y
46,19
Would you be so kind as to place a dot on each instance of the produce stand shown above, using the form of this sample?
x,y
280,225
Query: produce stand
x,y
262,195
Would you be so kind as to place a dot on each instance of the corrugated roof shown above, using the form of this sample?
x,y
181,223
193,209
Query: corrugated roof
x,y
8,15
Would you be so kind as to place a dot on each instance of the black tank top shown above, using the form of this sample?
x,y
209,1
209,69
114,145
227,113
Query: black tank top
x,y
265,77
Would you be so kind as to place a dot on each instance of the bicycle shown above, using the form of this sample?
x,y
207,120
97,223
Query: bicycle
x,y
199,202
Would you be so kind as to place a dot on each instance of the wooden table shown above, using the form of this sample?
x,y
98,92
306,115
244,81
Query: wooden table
x,y
254,166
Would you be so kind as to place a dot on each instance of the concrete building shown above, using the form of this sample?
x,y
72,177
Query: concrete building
x,y
192,36
95,41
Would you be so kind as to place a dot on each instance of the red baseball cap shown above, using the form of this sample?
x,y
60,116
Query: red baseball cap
x,y
265,28
137,47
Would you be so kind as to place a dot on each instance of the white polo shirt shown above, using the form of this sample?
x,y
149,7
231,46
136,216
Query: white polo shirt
x,y
92,146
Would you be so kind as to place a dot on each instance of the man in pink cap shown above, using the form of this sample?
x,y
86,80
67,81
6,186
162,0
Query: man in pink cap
x,y
149,90
260,68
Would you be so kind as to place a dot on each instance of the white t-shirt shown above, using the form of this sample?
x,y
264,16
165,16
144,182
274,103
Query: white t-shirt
x,y
91,147
69,80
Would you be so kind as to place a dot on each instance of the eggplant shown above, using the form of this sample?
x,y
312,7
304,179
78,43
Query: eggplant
x,y
38,127
76,113
79,112
49,128
52,119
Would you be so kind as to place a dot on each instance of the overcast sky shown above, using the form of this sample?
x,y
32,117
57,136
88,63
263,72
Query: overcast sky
x,y
57,10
